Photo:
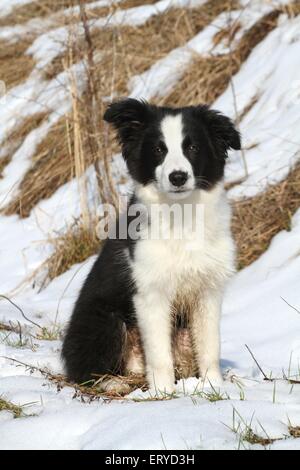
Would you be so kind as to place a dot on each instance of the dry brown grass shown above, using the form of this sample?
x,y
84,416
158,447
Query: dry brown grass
x,y
44,8
124,48
15,66
16,137
254,439
247,109
257,220
211,75
74,246
36,9
294,431
227,35
292,9
94,389
16,410
4,161
52,166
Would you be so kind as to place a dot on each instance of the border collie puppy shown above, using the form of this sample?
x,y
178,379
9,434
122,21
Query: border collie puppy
x,y
173,156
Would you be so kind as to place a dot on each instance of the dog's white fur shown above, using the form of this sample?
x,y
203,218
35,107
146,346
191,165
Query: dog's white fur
x,y
172,131
165,270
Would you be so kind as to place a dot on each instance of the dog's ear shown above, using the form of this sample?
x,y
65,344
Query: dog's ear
x,y
225,130
222,129
128,117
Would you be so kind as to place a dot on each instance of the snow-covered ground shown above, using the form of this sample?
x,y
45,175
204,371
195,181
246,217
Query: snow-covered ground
x,y
262,304
254,313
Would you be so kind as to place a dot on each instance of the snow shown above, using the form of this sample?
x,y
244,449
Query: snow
x,y
262,302
259,292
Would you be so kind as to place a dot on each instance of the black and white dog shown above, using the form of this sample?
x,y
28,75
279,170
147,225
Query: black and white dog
x,y
173,156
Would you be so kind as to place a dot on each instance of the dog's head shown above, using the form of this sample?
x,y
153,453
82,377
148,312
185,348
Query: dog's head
x,y
176,150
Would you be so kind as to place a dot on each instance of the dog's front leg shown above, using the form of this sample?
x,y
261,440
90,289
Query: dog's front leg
x,y
206,336
155,323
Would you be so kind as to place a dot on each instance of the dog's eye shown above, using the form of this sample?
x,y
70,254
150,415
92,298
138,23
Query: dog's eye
x,y
193,148
158,150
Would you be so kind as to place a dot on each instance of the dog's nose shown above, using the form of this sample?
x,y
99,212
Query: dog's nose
x,y
178,178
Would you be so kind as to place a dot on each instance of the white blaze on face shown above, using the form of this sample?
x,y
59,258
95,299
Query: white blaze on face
x,y
172,131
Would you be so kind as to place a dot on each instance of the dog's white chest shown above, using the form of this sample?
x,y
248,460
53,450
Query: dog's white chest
x,y
195,259
165,264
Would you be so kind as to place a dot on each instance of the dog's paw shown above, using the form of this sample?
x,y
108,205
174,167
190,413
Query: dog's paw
x,y
213,377
114,385
161,382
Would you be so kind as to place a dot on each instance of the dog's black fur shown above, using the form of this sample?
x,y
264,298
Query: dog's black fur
x,y
94,339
